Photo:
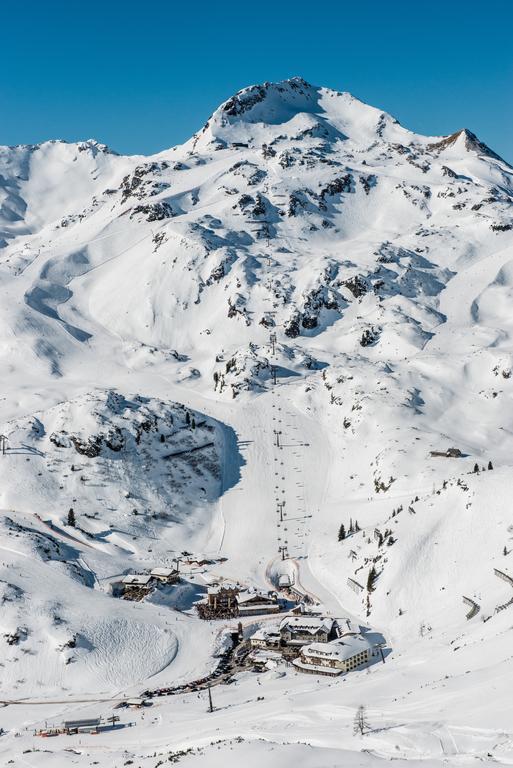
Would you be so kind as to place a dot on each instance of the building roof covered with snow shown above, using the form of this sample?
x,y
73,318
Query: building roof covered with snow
x,y
137,579
340,649
217,589
348,627
265,635
163,573
307,624
253,597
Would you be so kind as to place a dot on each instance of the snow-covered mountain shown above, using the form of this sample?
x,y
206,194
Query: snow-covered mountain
x,y
305,302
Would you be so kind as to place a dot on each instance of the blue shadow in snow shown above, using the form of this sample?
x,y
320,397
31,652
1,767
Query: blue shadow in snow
x,y
232,459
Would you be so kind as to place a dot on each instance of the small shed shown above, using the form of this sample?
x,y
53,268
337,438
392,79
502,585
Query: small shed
x,y
450,453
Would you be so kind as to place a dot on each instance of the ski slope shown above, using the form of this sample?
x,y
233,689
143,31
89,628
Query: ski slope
x,y
300,307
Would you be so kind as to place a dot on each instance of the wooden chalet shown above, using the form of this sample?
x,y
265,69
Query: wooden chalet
x,y
221,602
135,586
228,601
165,575
253,603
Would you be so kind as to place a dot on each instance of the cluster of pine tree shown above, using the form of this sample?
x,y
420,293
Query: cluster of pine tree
x,y
476,467
387,536
353,528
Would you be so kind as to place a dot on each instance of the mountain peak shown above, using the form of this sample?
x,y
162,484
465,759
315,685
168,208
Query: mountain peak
x,y
295,91
264,111
468,140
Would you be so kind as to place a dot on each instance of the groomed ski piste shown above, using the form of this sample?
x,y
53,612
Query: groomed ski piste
x,y
305,303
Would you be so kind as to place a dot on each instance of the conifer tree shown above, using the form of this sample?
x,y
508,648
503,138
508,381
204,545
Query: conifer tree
x,y
71,518
371,578
341,533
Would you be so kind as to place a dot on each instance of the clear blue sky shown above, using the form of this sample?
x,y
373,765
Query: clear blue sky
x,y
144,76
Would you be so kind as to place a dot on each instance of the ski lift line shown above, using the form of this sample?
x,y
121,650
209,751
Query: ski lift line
x,y
125,250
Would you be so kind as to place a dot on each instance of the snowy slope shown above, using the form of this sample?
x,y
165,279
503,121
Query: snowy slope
x,y
303,265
